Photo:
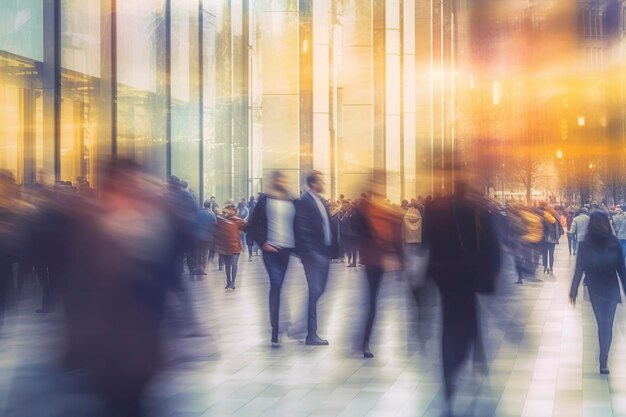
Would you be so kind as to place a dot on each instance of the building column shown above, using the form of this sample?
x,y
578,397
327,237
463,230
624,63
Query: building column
x,y
51,80
355,98
222,148
322,155
408,113
279,37
393,102
240,63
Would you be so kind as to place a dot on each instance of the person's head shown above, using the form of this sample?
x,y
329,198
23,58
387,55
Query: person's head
x,y
315,182
207,204
584,210
599,231
123,177
252,199
229,210
212,199
184,184
241,205
279,182
173,183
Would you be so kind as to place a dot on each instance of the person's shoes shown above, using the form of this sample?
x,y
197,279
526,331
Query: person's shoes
x,y
250,259
519,281
574,253
368,355
316,341
45,310
232,287
604,371
275,345
203,273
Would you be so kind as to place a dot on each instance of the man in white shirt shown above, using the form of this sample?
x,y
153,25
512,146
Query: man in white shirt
x,y
316,243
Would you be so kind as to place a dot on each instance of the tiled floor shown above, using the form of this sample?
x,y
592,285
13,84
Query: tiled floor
x,y
542,353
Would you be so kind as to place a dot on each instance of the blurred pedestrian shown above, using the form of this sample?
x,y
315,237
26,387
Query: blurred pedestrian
x,y
380,246
552,232
464,258
316,243
271,226
228,241
122,259
601,261
579,227
620,227
205,235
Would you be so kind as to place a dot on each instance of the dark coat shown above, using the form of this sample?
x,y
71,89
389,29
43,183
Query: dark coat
x,y
115,300
309,232
464,252
601,267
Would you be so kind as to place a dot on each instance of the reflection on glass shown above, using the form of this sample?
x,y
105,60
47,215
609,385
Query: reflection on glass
x,y
21,28
185,117
141,108
80,36
11,132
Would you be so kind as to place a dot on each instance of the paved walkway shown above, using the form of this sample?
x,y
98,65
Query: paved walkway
x,y
542,353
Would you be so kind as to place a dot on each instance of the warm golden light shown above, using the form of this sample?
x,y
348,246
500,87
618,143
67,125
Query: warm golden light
x,y
581,121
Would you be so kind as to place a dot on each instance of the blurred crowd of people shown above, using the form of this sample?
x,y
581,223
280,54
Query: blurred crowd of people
x,y
111,258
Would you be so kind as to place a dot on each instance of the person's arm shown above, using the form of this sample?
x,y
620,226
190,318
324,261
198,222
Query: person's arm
x,y
578,274
621,267
254,222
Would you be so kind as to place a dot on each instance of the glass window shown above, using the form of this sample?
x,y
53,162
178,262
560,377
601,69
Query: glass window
x,y
11,132
80,36
141,110
185,111
80,62
21,28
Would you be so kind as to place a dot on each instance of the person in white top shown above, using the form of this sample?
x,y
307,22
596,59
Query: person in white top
x,y
271,226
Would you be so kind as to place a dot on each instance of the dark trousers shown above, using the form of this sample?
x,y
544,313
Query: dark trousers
x,y
48,279
351,246
604,310
230,263
276,264
203,252
572,243
374,276
316,270
548,255
460,331
191,251
6,273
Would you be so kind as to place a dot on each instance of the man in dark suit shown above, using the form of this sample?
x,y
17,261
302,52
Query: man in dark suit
x,y
316,243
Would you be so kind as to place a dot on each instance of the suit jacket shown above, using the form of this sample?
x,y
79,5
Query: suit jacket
x,y
309,231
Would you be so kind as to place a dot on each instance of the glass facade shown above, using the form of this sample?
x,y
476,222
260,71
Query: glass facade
x,y
221,92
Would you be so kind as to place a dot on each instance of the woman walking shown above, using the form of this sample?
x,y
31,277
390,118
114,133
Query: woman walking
x,y
380,240
228,241
272,228
601,261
